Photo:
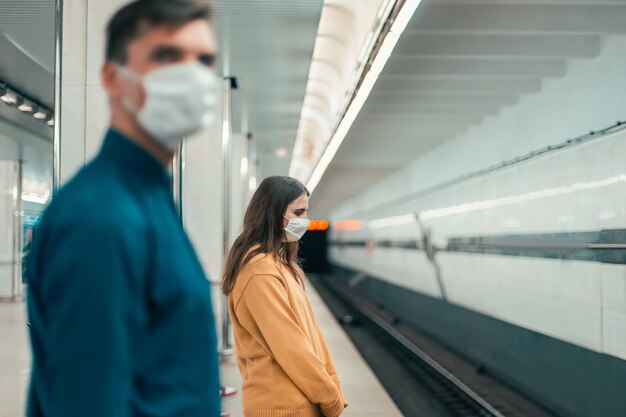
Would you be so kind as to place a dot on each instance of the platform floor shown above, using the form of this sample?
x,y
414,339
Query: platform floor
x,y
14,359
366,395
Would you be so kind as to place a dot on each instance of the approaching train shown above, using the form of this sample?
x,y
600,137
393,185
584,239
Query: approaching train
x,y
518,268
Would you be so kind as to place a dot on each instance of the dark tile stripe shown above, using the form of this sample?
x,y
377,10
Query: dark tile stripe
x,y
606,246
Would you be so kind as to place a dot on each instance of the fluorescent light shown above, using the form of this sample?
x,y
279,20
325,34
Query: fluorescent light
x,y
24,104
391,39
35,198
349,224
404,16
252,183
26,107
40,115
368,40
244,167
385,8
391,221
520,198
280,152
8,97
318,225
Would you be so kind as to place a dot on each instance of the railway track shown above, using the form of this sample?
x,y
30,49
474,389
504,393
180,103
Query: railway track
x,y
448,395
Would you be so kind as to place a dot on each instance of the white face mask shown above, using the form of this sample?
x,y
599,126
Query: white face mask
x,y
181,99
296,228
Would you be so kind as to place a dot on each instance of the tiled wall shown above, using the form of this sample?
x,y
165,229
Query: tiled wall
x,y
579,189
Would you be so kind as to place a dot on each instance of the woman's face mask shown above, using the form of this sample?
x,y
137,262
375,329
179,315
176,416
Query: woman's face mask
x,y
181,99
296,228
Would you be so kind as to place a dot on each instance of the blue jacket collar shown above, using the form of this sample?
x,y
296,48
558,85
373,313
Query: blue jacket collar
x,y
135,160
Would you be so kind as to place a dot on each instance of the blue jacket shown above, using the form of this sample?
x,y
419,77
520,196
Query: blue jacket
x,y
119,306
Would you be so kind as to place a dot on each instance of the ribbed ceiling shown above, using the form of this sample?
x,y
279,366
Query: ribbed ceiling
x,y
27,46
268,46
27,29
345,29
458,62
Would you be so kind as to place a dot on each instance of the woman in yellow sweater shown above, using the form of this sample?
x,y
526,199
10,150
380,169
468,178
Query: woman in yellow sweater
x,y
285,363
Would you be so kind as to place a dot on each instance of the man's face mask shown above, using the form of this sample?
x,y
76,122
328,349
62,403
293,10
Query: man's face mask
x,y
180,100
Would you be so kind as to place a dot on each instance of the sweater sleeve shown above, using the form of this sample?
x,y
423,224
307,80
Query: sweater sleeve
x,y
265,312
85,285
330,366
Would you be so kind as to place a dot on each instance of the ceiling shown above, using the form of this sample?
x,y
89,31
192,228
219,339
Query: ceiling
x,y
457,62
268,46
27,51
343,38
27,47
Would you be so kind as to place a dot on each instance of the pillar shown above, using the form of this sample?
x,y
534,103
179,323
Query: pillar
x,y
11,224
84,109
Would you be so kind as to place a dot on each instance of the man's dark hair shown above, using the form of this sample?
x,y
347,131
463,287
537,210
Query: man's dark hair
x,y
131,20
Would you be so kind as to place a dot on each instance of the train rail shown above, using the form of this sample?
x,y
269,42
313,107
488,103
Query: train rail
x,y
455,398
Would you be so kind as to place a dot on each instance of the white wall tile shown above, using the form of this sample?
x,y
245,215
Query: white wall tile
x,y
614,288
74,45
72,131
614,330
8,181
99,13
97,119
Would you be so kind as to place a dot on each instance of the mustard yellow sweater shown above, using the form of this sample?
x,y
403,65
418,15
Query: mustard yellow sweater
x,y
284,361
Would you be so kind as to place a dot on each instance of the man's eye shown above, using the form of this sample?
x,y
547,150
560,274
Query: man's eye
x,y
208,60
165,56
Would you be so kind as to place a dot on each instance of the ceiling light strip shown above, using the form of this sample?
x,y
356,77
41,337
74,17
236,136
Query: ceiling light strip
x,y
385,11
400,15
365,57
13,98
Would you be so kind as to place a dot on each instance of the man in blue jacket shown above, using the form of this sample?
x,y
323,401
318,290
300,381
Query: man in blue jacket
x,y
120,308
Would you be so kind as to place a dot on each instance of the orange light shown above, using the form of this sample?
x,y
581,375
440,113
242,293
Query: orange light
x,y
352,224
318,225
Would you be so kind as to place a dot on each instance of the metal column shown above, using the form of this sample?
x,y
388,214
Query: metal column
x,y
178,167
244,188
253,167
56,147
227,87
16,281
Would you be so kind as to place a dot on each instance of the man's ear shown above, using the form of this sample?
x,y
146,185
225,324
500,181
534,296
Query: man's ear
x,y
109,76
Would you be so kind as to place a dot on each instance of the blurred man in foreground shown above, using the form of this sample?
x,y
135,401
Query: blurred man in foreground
x,y
120,308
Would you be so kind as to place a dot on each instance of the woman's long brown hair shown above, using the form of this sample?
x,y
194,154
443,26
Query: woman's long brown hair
x,y
263,226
